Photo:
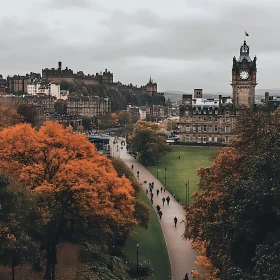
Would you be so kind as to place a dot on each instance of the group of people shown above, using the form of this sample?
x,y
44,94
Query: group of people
x,y
193,273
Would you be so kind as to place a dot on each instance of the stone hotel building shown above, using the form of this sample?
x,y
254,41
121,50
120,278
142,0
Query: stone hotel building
x,y
214,120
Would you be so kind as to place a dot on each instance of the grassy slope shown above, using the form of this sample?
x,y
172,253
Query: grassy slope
x,y
152,245
180,170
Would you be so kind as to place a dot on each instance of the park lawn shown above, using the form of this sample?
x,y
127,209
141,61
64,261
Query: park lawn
x,y
151,245
179,171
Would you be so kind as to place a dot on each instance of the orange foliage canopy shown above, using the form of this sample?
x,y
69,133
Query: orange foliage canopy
x,y
68,173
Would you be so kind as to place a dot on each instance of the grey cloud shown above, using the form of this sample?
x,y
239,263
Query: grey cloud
x,y
62,4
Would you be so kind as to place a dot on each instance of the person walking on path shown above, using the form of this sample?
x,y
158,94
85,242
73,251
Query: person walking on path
x,y
175,221
157,192
163,200
158,208
168,200
161,189
186,277
160,214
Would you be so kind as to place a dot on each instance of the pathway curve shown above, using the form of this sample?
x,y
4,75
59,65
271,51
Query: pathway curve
x,y
182,256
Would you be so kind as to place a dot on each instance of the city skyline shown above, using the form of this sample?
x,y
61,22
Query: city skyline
x,y
183,45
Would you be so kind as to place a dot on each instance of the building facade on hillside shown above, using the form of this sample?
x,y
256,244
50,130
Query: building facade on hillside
x,y
214,120
58,75
37,86
151,87
3,85
19,83
88,106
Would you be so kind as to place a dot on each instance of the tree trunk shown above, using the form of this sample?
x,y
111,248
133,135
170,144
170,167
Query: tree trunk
x,y
13,266
53,253
48,274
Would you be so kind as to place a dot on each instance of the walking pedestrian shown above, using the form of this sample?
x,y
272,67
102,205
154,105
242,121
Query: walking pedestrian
x,y
152,195
147,191
161,189
163,200
174,196
158,208
132,166
186,277
160,214
157,192
168,200
152,201
175,221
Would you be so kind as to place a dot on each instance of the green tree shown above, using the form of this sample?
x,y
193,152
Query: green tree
x,y
87,122
60,107
236,215
148,141
28,112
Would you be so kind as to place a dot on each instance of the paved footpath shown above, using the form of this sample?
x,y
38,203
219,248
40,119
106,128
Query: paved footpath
x,y
182,256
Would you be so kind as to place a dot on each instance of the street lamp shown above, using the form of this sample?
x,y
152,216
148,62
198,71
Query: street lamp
x,y
157,168
137,260
165,176
188,192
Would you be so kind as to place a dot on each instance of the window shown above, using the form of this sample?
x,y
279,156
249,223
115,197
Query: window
x,y
205,119
199,139
227,119
199,119
226,139
227,129
204,111
227,112
237,119
187,128
215,119
210,119
215,128
210,128
204,139
187,112
216,112
193,119
210,139
199,128
187,138
204,128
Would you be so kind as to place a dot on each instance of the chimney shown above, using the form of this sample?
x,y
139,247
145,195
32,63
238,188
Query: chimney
x,y
266,97
220,101
59,65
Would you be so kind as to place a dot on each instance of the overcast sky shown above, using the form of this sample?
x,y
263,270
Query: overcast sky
x,y
182,44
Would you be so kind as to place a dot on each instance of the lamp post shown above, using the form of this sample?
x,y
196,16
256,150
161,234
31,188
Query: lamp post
x,y
157,168
165,176
188,192
137,260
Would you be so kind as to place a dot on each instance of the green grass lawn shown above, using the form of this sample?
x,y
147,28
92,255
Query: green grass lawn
x,y
179,171
151,245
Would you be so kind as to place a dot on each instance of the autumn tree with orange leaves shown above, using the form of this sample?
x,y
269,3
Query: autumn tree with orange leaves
x,y
78,191
236,215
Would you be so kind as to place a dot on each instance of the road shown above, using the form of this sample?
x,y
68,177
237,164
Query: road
x,y
182,256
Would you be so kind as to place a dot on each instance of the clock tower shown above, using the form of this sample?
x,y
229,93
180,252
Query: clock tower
x,y
244,73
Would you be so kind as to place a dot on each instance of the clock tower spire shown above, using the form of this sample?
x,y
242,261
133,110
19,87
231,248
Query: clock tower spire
x,y
244,73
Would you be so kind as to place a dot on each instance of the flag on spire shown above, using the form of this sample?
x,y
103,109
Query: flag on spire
x,y
246,34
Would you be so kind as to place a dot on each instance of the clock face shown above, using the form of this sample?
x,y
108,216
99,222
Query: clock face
x,y
244,75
